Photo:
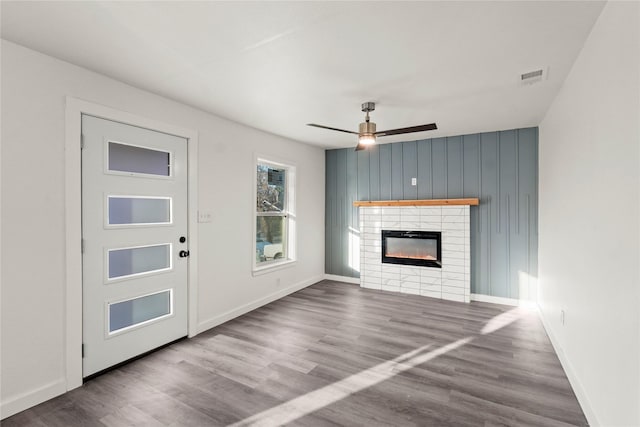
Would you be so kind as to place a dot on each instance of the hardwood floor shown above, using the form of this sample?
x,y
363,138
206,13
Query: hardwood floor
x,y
336,354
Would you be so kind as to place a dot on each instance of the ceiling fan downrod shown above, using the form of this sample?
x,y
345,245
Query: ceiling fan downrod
x,y
368,128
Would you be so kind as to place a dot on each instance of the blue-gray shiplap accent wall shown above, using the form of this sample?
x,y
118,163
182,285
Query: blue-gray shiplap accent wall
x,y
500,168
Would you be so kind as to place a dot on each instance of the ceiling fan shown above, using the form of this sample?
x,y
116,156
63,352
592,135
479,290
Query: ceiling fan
x,y
367,133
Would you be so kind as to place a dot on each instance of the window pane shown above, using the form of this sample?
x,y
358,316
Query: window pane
x,y
132,312
271,189
270,238
129,261
138,210
127,158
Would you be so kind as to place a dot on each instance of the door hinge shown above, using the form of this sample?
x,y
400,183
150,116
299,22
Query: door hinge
x,y
82,141
82,349
82,245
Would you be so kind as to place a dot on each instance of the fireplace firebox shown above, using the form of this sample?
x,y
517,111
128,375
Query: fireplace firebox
x,y
421,248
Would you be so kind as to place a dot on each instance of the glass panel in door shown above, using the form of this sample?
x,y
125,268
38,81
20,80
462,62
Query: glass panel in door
x,y
133,312
125,262
133,159
130,210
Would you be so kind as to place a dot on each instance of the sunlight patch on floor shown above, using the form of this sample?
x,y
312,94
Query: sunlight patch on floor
x,y
501,320
332,393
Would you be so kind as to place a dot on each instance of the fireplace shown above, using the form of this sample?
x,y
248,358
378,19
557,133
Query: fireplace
x,y
421,248
448,279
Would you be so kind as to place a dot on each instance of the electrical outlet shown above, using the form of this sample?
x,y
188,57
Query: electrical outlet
x,y
562,317
205,216
414,181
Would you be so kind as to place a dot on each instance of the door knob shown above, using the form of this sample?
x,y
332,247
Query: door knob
x,y
183,254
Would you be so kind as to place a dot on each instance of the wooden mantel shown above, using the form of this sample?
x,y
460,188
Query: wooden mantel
x,y
426,202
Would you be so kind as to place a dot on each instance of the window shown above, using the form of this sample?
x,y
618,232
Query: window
x,y
274,222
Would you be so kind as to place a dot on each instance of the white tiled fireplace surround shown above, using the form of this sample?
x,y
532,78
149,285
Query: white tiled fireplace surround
x,y
451,282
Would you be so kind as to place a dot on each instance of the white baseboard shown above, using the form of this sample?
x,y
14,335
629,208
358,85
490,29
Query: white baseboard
x,y
504,301
26,400
231,314
578,389
355,280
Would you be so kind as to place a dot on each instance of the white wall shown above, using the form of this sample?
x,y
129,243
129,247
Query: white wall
x,y
589,220
34,87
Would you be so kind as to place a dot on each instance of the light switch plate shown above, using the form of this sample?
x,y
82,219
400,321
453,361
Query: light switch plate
x,y
414,181
205,216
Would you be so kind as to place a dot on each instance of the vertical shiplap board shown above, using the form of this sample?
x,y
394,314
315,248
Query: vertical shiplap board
x,y
352,187
331,210
533,224
374,172
340,255
501,168
454,167
425,182
352,215
439,167
471,165
528,200
363,175
397,190
471,188
363,194
518,244
385,172
488,210
508,224
409,169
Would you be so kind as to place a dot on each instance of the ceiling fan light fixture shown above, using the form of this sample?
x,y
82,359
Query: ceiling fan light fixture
x,y
367,134
366,139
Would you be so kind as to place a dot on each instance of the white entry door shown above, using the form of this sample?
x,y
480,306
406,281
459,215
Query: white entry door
x,y
135,252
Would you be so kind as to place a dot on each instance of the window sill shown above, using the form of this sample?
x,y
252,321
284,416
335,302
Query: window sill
x,y
264,269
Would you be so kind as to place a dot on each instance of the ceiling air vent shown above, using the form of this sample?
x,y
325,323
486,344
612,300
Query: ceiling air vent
x,y
534,76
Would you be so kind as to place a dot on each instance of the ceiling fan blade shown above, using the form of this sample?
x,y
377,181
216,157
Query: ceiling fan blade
x,y
421,128
330,128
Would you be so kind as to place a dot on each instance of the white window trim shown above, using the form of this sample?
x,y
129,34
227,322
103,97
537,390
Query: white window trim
x,y
290,210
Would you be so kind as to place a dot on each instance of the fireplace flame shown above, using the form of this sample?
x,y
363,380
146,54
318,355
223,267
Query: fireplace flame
x,y
410,256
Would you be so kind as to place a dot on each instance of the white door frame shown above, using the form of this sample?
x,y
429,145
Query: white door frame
x,y
73,221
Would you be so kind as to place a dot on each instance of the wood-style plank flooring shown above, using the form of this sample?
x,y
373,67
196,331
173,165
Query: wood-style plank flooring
x,y
336,354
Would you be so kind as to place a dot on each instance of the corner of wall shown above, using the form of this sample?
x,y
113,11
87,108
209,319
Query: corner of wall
x,y
575,382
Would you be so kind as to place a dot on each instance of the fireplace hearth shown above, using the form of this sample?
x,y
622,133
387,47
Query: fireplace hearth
x,y
419,248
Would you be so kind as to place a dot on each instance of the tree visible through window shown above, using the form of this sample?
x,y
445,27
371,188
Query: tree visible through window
x,y
272,212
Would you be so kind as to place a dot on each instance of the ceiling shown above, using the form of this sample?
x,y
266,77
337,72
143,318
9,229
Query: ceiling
x,y
276,66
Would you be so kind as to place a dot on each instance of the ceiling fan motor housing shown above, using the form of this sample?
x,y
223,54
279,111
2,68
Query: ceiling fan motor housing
x,y
367,128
